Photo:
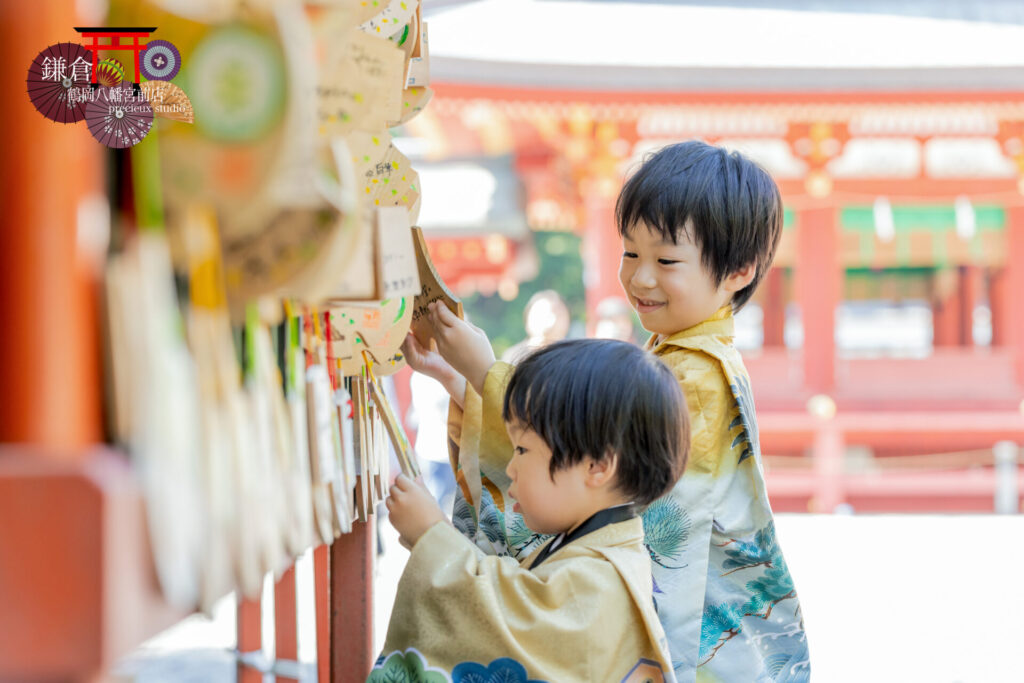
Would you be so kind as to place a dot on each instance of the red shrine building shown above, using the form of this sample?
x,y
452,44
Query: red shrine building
x,y
886,345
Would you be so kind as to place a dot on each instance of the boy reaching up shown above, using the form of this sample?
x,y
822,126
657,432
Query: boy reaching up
x,y
599,430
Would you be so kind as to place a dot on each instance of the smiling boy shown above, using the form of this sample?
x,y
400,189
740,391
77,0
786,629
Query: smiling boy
x,y
699,228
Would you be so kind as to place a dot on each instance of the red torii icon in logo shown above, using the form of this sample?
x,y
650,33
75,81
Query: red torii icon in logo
x,y
94,33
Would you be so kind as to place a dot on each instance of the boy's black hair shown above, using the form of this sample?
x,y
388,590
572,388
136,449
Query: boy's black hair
x,y
596,397
734,205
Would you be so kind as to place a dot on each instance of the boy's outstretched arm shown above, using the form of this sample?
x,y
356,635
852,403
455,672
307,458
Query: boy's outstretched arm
x,y
431,364
412,509
463,345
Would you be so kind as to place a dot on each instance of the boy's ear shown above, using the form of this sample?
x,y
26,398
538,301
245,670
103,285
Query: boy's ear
x,y
740,278
600,472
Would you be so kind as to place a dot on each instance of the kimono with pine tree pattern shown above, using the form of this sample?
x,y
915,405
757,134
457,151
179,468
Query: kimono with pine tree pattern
x,y
722,589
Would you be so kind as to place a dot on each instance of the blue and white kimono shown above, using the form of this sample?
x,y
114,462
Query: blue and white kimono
x,y
723,592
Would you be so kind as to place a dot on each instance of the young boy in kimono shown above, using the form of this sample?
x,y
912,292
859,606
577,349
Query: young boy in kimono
x,y
699,228
598,430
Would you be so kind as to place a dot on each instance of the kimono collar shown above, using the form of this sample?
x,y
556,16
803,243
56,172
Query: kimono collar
x,y
721,324
602,518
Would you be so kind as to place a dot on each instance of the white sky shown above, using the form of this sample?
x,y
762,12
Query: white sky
x,y
636,34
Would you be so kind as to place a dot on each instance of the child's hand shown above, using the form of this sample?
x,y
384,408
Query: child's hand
x,y
463,345
412,509
426,361
433,365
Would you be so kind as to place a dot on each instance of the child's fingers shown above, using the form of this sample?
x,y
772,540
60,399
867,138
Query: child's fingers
x,y
419,483
442,318
399,489
435,323
436,326
445,315
412,348
411,343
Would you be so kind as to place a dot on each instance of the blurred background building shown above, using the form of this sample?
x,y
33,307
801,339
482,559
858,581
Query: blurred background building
x,y
886,345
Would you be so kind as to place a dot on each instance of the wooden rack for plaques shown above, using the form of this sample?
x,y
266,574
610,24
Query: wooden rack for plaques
x,y
79,587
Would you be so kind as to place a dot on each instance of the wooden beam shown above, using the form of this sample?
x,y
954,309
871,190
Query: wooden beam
x,y
917,190
909,491
286,635
352,654
322,600
250,639
77,581
449,90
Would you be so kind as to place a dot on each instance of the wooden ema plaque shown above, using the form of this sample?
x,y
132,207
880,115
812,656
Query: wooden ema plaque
x,y
403,451
431,289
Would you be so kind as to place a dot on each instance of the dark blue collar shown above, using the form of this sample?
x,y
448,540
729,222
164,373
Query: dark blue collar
x,y
602,518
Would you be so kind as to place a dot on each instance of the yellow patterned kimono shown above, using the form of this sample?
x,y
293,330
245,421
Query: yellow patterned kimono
x,y
584,614
722,589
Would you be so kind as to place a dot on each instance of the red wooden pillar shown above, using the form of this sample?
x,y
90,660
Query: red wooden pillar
x,y
249,638
322,600
602,246
999,302
828,468
77,585
286,636
954,296
49,351
351,581
818,280
1013,304
946,320
774,310
971,286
